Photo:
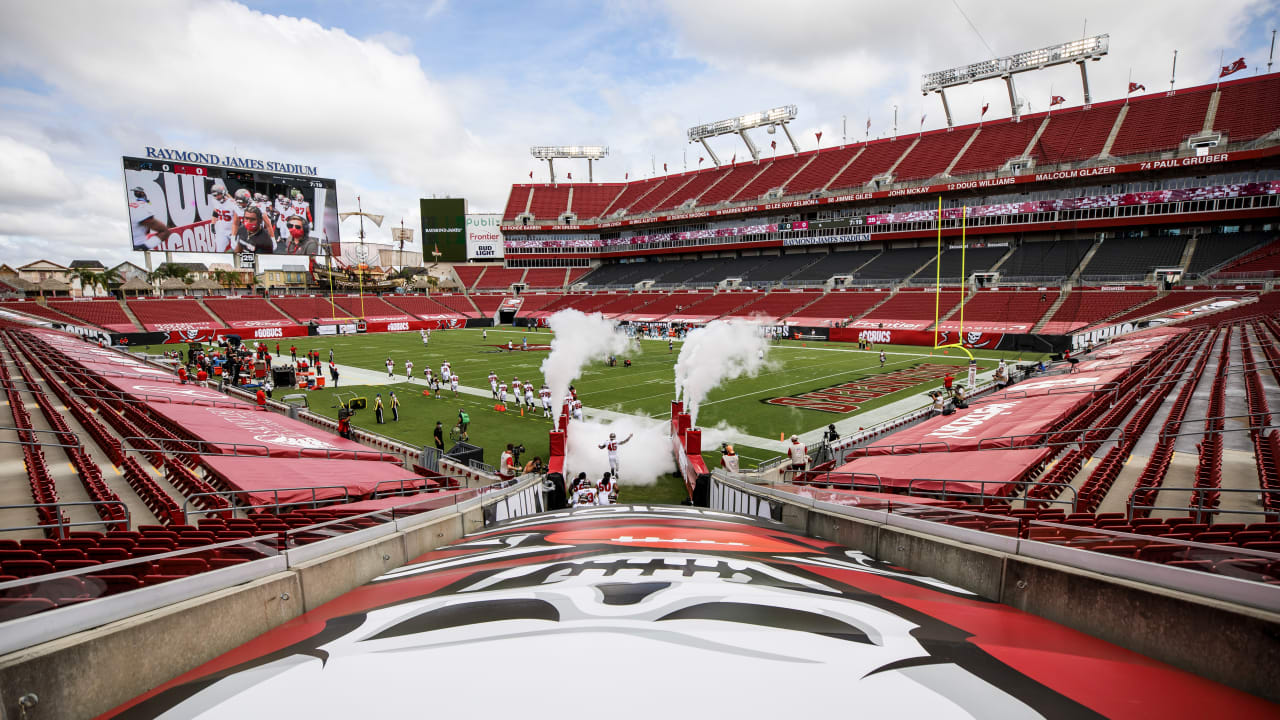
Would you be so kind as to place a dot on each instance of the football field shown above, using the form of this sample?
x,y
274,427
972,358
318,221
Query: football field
x,y
804,387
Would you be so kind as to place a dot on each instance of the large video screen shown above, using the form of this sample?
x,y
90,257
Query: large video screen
x,y
204,208
444,228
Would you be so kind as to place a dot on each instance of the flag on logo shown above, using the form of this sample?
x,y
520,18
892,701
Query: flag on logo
x,y
626,176
922,117
700,160
530,174
773,144
664,167
735,159
819,134
984,109
570,176
1056,100
868,123
1135,87
1234,67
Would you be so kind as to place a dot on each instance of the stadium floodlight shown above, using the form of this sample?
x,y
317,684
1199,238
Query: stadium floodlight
x,y
771,119
551,153
1075,51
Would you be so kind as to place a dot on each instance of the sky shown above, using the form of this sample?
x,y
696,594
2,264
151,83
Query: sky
x,y
405,99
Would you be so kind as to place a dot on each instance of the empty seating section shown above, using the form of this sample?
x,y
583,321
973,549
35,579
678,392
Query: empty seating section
x,y
634,192
1265,259
1249,110
737,178
1086,307
692,189
549,201
103,313
1016,306
576,274
897,264
777,305
915,305
1172,301
589,201
420,305
304,309
622,303
1046,259
499,278
775,267
660,192
619,274
245,309
931,155
1135,256
775,175
469,274
545,278
975,260
836,263
367,306
537,301
1214,249
1075,135
996,143
875,159
488,304
31,307
1159,123
822,169
586,302
842,305
720,303
457,303
675,303
515,202
155,314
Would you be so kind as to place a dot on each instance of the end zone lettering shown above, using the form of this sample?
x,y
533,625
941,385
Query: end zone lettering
x,y
846,397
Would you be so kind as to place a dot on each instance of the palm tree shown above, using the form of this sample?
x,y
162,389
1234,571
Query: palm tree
x,y
87,277
108,279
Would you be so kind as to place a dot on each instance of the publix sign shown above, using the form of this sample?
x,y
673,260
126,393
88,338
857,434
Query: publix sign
x,y
484,236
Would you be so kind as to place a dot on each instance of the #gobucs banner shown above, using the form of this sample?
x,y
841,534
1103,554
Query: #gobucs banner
x,y
639,590
977,340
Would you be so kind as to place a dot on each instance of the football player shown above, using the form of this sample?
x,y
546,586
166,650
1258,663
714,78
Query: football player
x,y
517,388
148,232
585,495
453,384
300,207
612,445
545,394
223,212
283,209
502,393
528,395
493,383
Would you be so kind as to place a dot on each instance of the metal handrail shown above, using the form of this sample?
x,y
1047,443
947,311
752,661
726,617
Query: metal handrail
x,y
78,444
1199,508
1166,435
60,524
275,492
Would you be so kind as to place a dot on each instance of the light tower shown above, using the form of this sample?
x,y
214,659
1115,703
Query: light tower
x,y
1076,51
772,119
550,153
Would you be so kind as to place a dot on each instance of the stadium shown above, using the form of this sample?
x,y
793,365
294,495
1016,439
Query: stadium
x,y
968,422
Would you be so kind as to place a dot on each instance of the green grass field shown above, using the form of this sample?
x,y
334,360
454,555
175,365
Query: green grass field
x,y
646,388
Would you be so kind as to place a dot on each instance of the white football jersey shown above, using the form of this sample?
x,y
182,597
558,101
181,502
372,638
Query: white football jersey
x,y
222,214
301,208
584,497
139,212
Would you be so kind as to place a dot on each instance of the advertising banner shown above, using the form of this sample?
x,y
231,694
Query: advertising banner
x,y
444,229
894,336
183,207
484,236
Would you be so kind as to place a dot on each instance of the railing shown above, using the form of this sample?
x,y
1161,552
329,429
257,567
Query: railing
x,y
482,467
61,524
231,495
1199,509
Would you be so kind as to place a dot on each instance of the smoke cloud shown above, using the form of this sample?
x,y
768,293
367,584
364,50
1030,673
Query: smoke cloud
x,y
578,339
720,351
641,461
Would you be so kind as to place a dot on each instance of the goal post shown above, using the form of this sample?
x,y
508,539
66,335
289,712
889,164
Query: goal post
x,y
937,288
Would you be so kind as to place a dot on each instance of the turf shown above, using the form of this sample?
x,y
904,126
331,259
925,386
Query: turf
x,y
645,388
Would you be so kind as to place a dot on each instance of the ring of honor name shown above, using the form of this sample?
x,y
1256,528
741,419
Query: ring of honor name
x,y
847,397
699,612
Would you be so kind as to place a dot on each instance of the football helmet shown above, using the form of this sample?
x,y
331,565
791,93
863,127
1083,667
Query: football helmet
x,y
296,194
219,190
242,197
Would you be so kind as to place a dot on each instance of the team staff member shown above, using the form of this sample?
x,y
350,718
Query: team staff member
x,y
799,456
298,242
395,408
377,408
438,434
252,233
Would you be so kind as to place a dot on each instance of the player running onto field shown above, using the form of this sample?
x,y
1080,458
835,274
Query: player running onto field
x,y
493,384
545,394
502,393
453,384
612,445
528,395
